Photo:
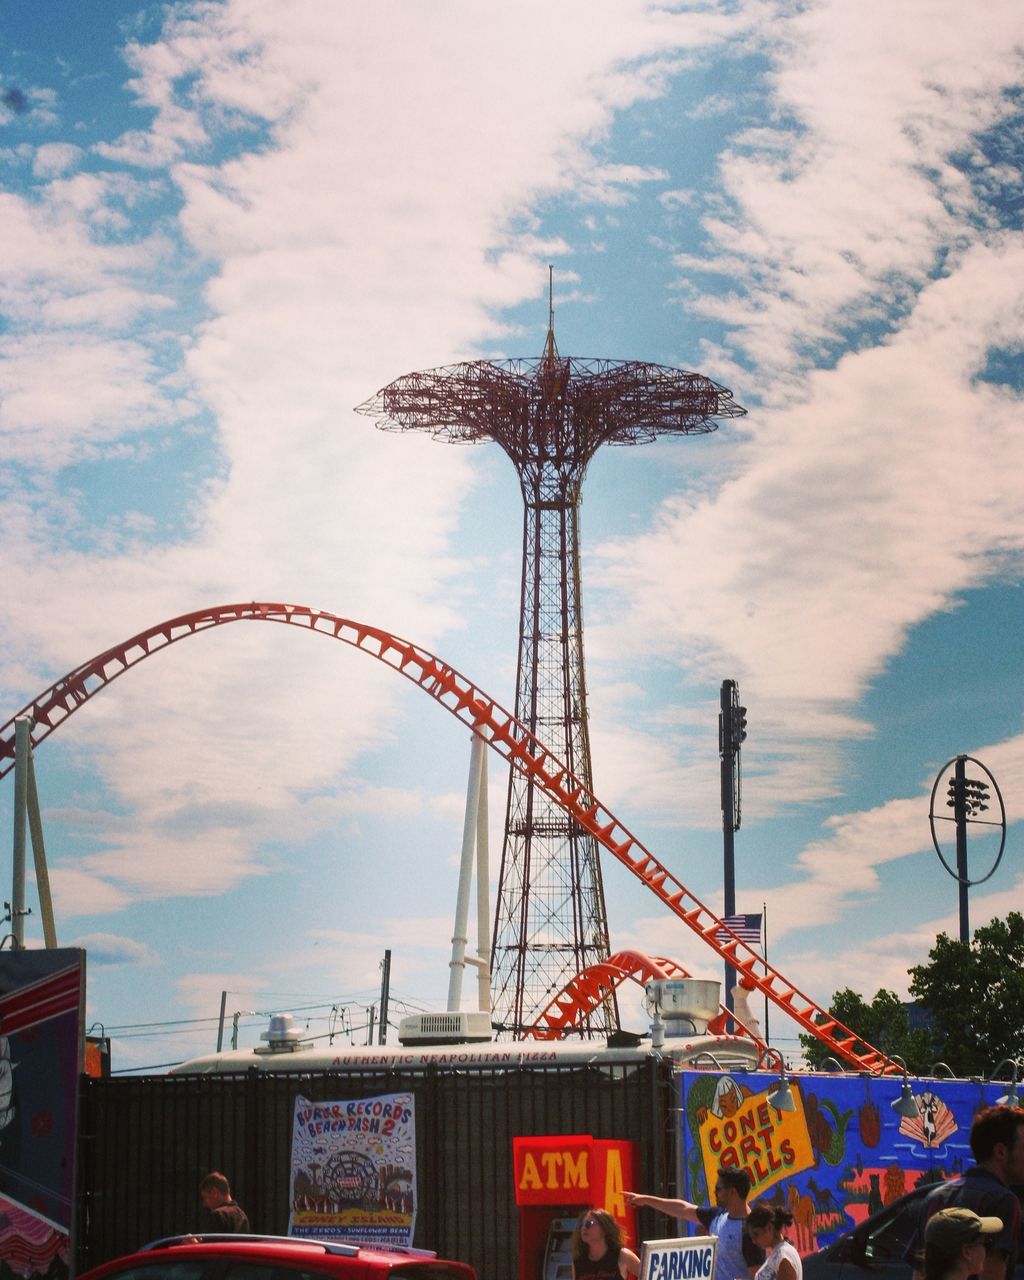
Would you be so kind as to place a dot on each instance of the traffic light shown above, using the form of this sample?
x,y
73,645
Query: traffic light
x,y
732,720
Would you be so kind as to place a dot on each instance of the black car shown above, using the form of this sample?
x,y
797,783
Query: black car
x,y
879,1244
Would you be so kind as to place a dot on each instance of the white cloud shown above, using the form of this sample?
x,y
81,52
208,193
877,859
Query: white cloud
x,y
55,158
67,397
844,203
201,992
109,949
875,963
77,892
861,509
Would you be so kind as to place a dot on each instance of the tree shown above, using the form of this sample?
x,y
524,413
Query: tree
x,y
974,994
884,1024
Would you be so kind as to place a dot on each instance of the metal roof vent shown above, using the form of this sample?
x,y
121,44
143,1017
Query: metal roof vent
x,y
282,1035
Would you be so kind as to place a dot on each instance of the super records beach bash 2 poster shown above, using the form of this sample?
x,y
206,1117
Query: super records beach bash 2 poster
x,y
354,1169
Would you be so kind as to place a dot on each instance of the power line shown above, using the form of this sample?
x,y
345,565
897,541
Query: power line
x,y
176,1022
191,1027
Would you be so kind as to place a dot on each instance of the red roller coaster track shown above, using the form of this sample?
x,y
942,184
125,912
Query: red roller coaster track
x,y
587,989
510,739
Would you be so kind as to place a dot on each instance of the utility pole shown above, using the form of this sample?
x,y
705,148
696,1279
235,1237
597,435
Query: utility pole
x,y
958,801
385,992
967,797
732,729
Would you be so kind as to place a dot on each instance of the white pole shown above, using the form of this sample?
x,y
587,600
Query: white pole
x,y
35,826
764,952
457,964
483,892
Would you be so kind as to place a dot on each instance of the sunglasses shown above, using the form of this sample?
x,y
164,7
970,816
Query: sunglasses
x,y
590,1222
986,1242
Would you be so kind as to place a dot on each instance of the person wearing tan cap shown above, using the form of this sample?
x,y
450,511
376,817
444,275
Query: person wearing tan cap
x,y
997,1144
956,1242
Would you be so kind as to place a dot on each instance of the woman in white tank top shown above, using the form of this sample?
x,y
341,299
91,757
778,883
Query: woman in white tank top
x,y
765,1226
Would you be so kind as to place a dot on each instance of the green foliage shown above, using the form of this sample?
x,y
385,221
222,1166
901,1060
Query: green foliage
x,y
974,994
883,1024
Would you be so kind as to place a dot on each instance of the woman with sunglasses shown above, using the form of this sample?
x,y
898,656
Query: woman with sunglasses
x,y
764,1226
956,1242
597,1249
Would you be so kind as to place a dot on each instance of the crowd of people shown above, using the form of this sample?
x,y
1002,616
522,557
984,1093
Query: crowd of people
x,y
969,1227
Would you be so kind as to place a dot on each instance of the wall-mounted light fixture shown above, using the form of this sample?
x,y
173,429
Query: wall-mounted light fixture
x,y
780,1095
906,1104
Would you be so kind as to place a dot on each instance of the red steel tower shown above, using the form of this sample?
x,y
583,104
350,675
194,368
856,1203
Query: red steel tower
x,y
550,415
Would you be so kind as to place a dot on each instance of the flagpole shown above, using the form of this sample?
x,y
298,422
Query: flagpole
x,y
764,952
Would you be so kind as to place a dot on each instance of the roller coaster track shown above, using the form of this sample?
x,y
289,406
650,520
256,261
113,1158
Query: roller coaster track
x,y
586,991
501,731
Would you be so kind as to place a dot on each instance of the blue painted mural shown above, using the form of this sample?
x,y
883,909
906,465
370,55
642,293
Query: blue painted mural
x,y
841,1156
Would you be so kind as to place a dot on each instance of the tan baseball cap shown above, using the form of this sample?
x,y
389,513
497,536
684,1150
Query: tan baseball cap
x,y
951,1228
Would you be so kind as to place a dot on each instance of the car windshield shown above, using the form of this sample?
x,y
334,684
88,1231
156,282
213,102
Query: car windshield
x,y
164,1269
430,1272
269,1271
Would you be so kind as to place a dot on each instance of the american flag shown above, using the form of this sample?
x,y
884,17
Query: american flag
x,y
747,928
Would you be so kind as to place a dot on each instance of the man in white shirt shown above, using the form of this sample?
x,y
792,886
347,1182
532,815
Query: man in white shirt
x,y
737,1257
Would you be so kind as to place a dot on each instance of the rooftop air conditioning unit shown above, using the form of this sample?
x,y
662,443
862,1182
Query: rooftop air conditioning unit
x,y
444,1028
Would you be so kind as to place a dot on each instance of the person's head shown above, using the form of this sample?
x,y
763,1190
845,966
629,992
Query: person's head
x,y
765,1223
214,1190
593,1227
997,1142
732,1188
954,1242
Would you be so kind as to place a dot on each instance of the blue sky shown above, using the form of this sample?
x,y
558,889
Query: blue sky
x,y
227,224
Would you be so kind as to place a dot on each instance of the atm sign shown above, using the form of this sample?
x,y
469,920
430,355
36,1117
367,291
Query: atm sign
x,y
554,1170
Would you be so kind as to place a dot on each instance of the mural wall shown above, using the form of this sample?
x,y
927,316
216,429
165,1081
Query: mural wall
x,y
842,1155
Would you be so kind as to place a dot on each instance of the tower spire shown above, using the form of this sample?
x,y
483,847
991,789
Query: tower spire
x,y
550,346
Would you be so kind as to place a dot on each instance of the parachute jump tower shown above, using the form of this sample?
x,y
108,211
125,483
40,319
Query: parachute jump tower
x,y
550,415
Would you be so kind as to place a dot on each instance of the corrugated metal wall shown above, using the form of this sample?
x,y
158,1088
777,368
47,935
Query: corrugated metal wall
x,y
146,1142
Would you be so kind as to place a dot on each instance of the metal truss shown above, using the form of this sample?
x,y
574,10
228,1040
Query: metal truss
x,y
550,415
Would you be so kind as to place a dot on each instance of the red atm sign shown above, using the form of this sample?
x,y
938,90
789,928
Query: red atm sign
x,y
553,1170
572,1169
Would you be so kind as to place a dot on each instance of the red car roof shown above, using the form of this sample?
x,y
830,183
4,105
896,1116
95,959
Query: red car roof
x,y
348,1260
